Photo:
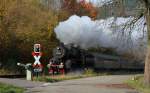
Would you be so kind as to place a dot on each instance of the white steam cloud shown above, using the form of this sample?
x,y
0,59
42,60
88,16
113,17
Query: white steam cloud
x,y
116,33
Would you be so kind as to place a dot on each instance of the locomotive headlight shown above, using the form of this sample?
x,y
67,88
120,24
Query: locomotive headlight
x,y
61,65
18,64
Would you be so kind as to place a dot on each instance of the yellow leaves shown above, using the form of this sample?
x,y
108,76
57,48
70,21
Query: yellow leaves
x,y
53,21
55,18
27,22
4,40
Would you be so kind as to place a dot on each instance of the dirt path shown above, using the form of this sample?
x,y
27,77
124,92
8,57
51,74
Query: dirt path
x,y
100,84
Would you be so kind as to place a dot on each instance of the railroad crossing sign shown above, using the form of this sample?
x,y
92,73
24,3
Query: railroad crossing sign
x,y
37,66
37,48
37,57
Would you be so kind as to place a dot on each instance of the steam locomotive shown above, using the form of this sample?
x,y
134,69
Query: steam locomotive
x,y
70,57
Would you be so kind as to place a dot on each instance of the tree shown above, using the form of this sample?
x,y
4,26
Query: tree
x,y
147,60
82,8
22,24
146,13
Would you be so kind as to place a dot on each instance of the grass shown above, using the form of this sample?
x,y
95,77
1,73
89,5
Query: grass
x,y
5,88
137,83
4,72
57,78
85,74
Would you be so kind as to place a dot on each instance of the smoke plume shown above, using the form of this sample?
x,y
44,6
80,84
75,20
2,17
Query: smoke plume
x,y
118,33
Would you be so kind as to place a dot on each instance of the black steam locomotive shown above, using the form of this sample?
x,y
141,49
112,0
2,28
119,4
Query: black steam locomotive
x,y
72,57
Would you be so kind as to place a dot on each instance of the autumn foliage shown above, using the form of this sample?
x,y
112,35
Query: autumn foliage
x,y
81,8
22,24
26,22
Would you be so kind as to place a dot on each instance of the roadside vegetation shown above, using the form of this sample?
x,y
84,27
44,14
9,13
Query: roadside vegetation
x,y
5,88
85,74
137,83
58,78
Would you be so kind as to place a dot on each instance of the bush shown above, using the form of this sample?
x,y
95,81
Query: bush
x,y
89,72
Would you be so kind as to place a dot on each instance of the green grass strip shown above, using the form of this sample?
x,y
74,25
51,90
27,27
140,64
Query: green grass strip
x,y
137,83
5,88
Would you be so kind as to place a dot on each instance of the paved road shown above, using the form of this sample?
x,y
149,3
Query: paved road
x,y
21,83
100,84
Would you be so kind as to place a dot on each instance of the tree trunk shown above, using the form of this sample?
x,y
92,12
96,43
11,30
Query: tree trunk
x,y
147,60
